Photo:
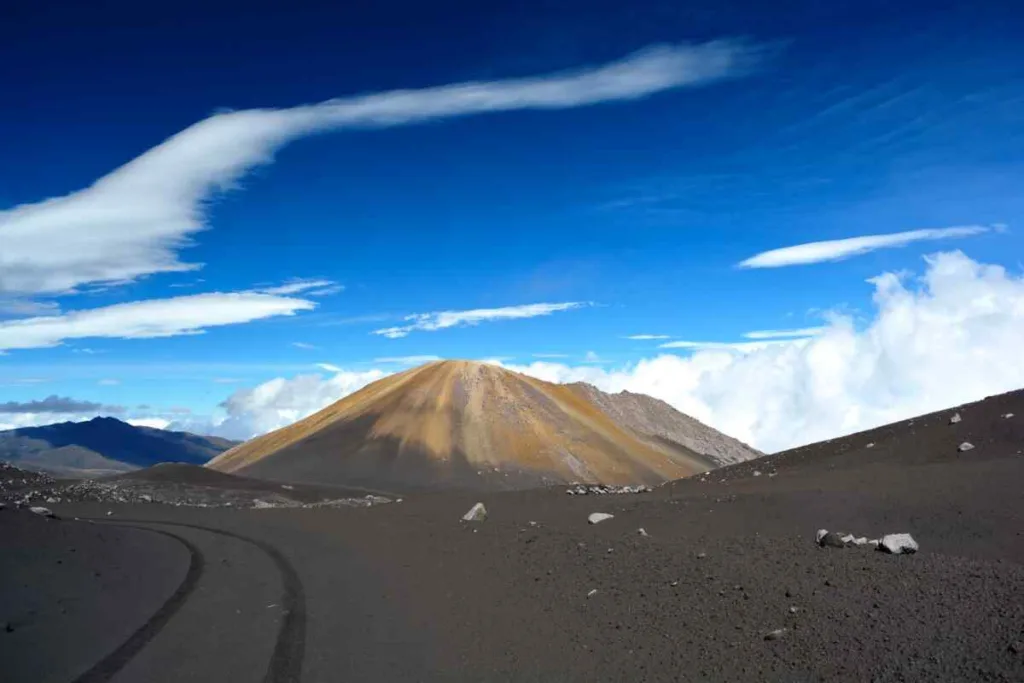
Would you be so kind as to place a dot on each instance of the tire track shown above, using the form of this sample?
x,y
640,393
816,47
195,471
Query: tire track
x,y
105,669
286,660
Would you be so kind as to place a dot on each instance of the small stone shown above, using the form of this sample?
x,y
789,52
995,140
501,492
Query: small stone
x,y
44,512
955,419
820,535
1016,647
1007,416
643,532
477,513
776,634
848,539
598,517
965,446
860,541
757,473
832,539
899,544
532,523
794,610
870,445
109,512
701,556
592,593
674,583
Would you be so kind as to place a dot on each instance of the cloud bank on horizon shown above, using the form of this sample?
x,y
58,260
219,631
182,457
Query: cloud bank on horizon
x,y
795,391
135,220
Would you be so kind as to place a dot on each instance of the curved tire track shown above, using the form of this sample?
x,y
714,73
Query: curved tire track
x,y
286,660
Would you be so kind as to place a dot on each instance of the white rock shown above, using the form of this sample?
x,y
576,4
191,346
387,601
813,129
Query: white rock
x,y
477,513
860,541
899,544
757,473
592,593
874,542
870,445
822,533
109,512
146,498
642,532
965,446
848,539
51,500
955,418
598,517
1007,416
45,512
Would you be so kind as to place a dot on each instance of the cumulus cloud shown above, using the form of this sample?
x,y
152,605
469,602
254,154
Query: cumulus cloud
x,y
949,337
280,402
837,250
147,319
782,334
134,221
440,320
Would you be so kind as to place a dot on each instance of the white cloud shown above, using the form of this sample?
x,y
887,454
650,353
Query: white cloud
x,y
742,347
407,360
153,422
280,402
134,221
647,337
109,382
310,287
782,334
303,345
328,367
836,250
146,319
440,320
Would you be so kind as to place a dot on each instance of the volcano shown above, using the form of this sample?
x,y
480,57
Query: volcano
x,y
460,424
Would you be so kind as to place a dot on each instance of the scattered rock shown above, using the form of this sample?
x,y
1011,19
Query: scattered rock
x,y
532,523
1007,416
51,500
776,634
860,541
109,512
701,556
598,517
642,532
477,513
44,512
965,446
145,498
757,473
848,539
592,593
794,610
831,539
955,419
820,535
601,489
870,445
898,544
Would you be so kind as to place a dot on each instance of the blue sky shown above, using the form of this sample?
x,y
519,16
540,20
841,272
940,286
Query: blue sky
x,y
783,125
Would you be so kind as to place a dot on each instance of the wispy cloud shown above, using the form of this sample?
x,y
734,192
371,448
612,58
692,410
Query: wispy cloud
x,y
134,221
407,360
647,337
782,334
57,404
742,347
836,250
303,345
310,287
147,319
429,322
329,367
109,382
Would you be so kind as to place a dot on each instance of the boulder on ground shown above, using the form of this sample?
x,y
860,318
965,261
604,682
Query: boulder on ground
x,y
642,532
965,446
776,634
44,512
955,419
598,517
831,539
898,544
477,513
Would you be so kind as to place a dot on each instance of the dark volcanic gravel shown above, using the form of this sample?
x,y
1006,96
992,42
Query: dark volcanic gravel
x,y
407,591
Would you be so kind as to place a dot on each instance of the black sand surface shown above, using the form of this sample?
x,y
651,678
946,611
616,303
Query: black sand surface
x,y
408,592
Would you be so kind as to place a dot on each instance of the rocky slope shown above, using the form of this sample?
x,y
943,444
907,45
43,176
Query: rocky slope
x,y
472,425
